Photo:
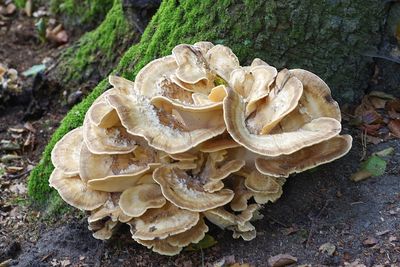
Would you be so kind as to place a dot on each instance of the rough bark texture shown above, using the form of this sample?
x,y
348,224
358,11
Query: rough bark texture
x,y
327,37
80,14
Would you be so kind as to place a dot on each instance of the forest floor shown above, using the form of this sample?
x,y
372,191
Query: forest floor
x,y
322,219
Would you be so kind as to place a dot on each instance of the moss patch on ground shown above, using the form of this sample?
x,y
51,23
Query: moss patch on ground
x,y
285,34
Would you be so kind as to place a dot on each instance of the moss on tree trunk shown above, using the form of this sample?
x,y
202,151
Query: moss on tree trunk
x,y
96,52
327,37
82,14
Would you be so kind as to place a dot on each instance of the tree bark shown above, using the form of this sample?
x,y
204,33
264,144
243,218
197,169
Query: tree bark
x,y
327,37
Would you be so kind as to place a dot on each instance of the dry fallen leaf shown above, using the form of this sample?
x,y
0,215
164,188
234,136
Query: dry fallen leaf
x,y
28,8
373,166
16,130
65,263
29,127
18,189
281,260
360,175
10,9
57,35
370,241
328,248
378,102
394,127
382,232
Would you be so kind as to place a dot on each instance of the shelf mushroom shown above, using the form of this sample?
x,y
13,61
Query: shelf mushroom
x,y
195,139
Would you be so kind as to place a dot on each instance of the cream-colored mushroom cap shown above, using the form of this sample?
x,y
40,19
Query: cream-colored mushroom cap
x,y
136,200
98,166
193,235
192,65
265,197
222,61
203,87
121,84
314,132
117,183
204,46
109,209
218,93
213,172
114,140
305,158
187,192
258,62
103,115
75,192
239,224
66,153
160,246
317,99
163,222
315,102
147,82
106,231
161,102
260,183
218,143
246,236
220,217
173,132
242,195
184,156
281,100
253,84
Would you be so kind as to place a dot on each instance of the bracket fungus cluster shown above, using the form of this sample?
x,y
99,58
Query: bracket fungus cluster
x,y
195,138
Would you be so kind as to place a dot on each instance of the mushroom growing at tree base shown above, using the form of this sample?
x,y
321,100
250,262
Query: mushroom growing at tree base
x,y
196,139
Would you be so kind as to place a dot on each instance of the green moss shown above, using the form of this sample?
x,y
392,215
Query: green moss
x,y
80,12
293,33
98,49
20,3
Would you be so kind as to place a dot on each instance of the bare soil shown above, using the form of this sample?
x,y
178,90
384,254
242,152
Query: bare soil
x,y
360,220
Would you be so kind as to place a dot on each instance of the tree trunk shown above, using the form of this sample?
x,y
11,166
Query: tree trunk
x,y
326,37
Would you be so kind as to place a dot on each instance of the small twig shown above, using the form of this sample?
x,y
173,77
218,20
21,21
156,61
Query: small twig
x,y
278,222
47,256
16,176
356,203
364,144
202,257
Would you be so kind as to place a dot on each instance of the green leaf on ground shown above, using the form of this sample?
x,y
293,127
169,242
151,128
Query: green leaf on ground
x,y
41,29
206,242
375,165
